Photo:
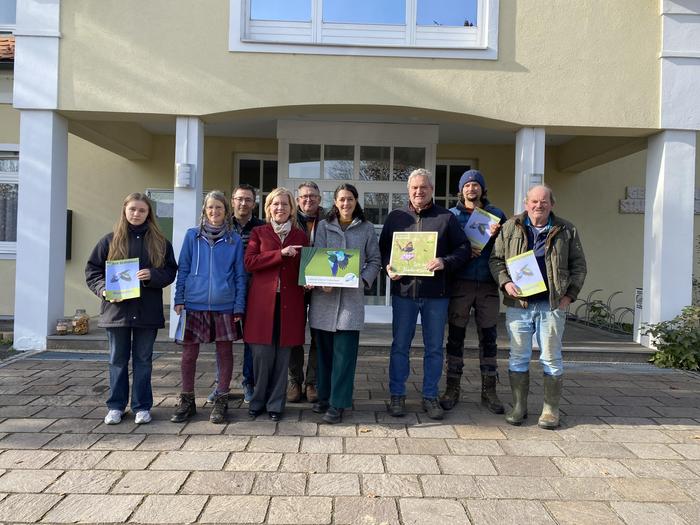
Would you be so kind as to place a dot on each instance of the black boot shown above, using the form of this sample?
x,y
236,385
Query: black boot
x,y
489,397
218,413
186,408
452,392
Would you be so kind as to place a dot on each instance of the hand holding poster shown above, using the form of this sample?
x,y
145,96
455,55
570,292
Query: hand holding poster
x,y
478,227
332,267
525,273
411,252
121,281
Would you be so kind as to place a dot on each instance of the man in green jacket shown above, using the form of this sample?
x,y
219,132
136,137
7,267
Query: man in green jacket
x,y
559,254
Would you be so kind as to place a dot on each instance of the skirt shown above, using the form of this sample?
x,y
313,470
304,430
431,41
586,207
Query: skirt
x,y
208,327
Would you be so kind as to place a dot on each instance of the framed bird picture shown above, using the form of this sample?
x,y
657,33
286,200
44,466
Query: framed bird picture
x,y
411,251
478,227
333,267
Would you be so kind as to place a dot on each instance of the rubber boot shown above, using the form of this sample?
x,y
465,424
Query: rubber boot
x,y
549,419
452,392
186,408
489,397
519,385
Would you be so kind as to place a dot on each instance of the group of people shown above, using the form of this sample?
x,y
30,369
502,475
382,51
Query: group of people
x,y
238,277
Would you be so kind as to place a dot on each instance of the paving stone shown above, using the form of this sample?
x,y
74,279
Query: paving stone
x,y
636,435
251,428
580,513
176,460
411,464
27,480
72,426
595,450
296,428
156,427
515,487
85,482
88,508
592,468
365,511
466,465
219,483
73,442
254,461
23,440
169,509
11,399
691,487
26,507
378,430
432,430
311,463
24,425
692,465
647,513
335,484
127,460
242,509
150,482
652,451
21,411
341,430
658,468
688,511
26,459
648,490
330,445
360,463
402,485
77,459
202,426
366,445
422,446
475,447
161,442
300,510
531,448
507,512
530,433
279,484
584,489
274,444
478,432
443,511
447,486
525,466
687,450
216,443
118,442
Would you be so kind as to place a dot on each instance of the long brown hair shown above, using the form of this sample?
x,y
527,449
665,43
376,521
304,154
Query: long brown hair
x,y
154,238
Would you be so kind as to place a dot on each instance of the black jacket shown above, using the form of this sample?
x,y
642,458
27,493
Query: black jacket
x,y
452,246
145,311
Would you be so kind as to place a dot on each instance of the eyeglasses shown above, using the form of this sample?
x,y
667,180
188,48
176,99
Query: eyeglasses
x,y
243,199
309,197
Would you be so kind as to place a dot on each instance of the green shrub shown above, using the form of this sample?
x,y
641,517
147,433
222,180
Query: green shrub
x,y
677,341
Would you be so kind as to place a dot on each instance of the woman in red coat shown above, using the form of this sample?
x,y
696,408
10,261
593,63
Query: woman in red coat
x,y
275,310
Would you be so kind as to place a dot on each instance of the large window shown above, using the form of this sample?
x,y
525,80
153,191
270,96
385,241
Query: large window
x,y
9,186
440,28
8,14
260,171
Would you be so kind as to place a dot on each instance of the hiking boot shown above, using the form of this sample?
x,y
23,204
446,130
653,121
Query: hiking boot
x,y
397,406
311,393
186,408
451,396
433,408
333,415
320,407
218,413
489,397
519,386
294,393
549,420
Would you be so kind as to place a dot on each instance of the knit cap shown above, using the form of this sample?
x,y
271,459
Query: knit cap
x,y
472,176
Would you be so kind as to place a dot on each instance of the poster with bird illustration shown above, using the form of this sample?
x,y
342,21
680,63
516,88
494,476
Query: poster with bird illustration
x,y
120,279
525,273
411,251
478,227
332,267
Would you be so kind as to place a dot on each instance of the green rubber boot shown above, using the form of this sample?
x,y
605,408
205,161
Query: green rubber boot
x,y
519,386
549,419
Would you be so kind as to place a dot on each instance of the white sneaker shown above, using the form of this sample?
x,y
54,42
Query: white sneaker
x,y
142,417
113,417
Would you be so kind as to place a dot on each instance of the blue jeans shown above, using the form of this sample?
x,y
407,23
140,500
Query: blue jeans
x,y
135,344
405,312
548,327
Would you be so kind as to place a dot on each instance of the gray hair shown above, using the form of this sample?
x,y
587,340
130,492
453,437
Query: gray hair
x,y
420,172
309,184
217,195
552,199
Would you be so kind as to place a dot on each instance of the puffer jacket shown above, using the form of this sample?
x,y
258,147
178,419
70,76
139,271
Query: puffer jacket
x,y
564,258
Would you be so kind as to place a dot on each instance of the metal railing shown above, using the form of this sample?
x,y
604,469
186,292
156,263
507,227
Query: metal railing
x,y
601,314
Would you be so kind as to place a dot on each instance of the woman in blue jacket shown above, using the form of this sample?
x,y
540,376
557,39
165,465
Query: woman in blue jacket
x,y
210,287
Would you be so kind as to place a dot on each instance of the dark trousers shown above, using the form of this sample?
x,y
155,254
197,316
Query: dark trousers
x,y
296,364
135,344
337,359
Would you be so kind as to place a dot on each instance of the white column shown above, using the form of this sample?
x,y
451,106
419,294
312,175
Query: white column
x,y
529,163
187,202
41,227
668,225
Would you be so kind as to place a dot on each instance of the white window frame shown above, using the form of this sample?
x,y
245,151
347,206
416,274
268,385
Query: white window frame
x,y
318,38
8,249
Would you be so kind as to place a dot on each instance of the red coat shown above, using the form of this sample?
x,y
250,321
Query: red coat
x,y
264,260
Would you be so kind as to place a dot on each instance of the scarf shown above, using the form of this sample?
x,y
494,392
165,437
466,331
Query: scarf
x,y
212,233
282,230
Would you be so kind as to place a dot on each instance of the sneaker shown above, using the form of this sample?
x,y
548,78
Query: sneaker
x,y
212,397
294,393
397,406
247,393
311,394
143,417
114,417
433,408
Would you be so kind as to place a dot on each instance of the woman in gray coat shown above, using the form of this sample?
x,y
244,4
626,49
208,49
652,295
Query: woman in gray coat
x,y
337,315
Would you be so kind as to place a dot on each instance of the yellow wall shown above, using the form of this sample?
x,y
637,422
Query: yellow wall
x,y
584,63
9,134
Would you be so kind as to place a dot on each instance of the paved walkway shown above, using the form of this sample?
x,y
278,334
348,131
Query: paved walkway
x,y
629,453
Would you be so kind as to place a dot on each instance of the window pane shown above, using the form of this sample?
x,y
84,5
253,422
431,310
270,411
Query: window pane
x,y
9,165
304,161
8,212
7,12
406,160
365,11
446,13
326,200
456,173
287,10
338,162
269,175
376,207
374,162
249,172
399,200
440,179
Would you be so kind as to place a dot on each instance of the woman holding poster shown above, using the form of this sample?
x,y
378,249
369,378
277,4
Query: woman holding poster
x,y
336,315
132,324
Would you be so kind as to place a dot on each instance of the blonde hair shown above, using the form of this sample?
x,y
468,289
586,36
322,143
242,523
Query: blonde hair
x,y
153,238
277,192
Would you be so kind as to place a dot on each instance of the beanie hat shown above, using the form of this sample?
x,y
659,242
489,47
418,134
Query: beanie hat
x,y
472,176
